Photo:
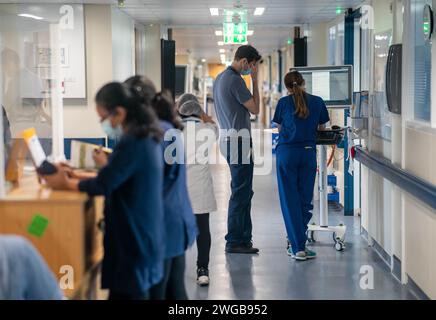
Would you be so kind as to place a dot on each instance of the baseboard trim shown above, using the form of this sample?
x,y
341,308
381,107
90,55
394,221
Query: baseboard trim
x,y
396,271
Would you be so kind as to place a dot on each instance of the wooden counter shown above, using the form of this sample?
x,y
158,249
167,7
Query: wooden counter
x,y
72,237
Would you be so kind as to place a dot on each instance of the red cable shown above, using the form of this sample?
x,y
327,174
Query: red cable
x,y
331,156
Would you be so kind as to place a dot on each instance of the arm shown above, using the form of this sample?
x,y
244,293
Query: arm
x,y
119,169
253,105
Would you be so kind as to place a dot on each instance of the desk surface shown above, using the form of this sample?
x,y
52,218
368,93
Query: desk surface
x,y
31,190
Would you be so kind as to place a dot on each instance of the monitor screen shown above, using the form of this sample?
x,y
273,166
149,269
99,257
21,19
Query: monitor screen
x,y
333,84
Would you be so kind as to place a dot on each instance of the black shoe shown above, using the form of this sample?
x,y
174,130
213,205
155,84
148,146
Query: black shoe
x,y
203,277
250,246
242,249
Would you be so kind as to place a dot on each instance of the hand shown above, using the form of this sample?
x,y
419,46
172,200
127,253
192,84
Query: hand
x,y
59,180
255,72
100,158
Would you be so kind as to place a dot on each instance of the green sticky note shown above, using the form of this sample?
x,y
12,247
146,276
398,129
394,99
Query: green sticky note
x,y
38,226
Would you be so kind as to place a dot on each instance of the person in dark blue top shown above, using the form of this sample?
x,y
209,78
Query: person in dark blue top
x,y
132,182
298,115
180,223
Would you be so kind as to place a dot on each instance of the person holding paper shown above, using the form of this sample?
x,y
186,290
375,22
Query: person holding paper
x,y
298,115
132,183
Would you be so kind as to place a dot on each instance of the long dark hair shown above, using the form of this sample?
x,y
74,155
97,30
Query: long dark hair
x,y
140,121
294,81
162,102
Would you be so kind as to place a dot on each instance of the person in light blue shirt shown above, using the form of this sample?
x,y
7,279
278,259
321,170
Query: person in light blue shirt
x,y
298,115
24,275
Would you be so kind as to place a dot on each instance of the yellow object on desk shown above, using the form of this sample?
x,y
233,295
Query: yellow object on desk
x,y
62,225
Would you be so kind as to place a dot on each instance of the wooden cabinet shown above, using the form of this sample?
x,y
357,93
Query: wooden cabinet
x,y
72,237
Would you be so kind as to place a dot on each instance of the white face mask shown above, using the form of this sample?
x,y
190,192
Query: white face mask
x,y
112,133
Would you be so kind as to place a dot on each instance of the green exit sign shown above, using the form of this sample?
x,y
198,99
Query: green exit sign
x,y
235,33
235,39
235,27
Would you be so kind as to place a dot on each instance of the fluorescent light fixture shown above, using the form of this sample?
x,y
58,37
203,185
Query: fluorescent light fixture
x,y
203,60
220,43
222,50
250,32
223,57
259,11
214,11
218,32
26,15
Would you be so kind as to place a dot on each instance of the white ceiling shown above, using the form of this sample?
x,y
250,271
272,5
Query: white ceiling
x,y
194,27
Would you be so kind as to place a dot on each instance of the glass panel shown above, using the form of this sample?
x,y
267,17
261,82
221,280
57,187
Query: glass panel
x,y
30,72
422,109
381,115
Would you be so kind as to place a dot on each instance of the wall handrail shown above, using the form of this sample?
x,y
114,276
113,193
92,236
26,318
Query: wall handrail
x,y
417,187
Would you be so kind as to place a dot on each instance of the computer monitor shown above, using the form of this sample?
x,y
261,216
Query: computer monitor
x,y
332,83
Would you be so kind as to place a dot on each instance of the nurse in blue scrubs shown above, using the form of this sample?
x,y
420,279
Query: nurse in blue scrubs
x,y
132,182
180,223
298,115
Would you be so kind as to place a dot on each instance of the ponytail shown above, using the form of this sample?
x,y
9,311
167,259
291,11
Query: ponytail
x,y
294,81
165,109
162,103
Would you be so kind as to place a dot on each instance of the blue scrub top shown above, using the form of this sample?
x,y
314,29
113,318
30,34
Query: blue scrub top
x,y
180,223
134,239
295,131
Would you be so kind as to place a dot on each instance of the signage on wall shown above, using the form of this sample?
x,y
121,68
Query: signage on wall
x,y
235,27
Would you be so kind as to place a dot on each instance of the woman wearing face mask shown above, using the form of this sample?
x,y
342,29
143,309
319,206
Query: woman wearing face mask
x,y
299,116
181,228
132,182
200,182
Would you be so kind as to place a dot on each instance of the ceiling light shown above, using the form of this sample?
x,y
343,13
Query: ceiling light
x,y
220,43
214,12
26,15
203,60
218,32
250,32
259,11
222,50
223,57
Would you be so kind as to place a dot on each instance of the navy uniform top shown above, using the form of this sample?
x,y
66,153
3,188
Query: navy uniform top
x,y
230,92
296,131
134,243
180,223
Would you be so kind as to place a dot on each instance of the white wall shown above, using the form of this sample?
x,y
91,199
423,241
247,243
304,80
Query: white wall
x,y
123,45
317,44
110,55
153,54
80,118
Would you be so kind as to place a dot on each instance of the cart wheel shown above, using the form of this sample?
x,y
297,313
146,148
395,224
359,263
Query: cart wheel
x,y
339,246
311,236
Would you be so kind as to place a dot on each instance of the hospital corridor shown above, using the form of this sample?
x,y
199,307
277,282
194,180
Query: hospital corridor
x,y
217,158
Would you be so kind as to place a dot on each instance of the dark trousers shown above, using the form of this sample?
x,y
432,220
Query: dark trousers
x,y
122,296
203,240
172,286
239,223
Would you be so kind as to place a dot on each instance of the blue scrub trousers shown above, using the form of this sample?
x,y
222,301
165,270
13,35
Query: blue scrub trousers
x,y
296,173
239,224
